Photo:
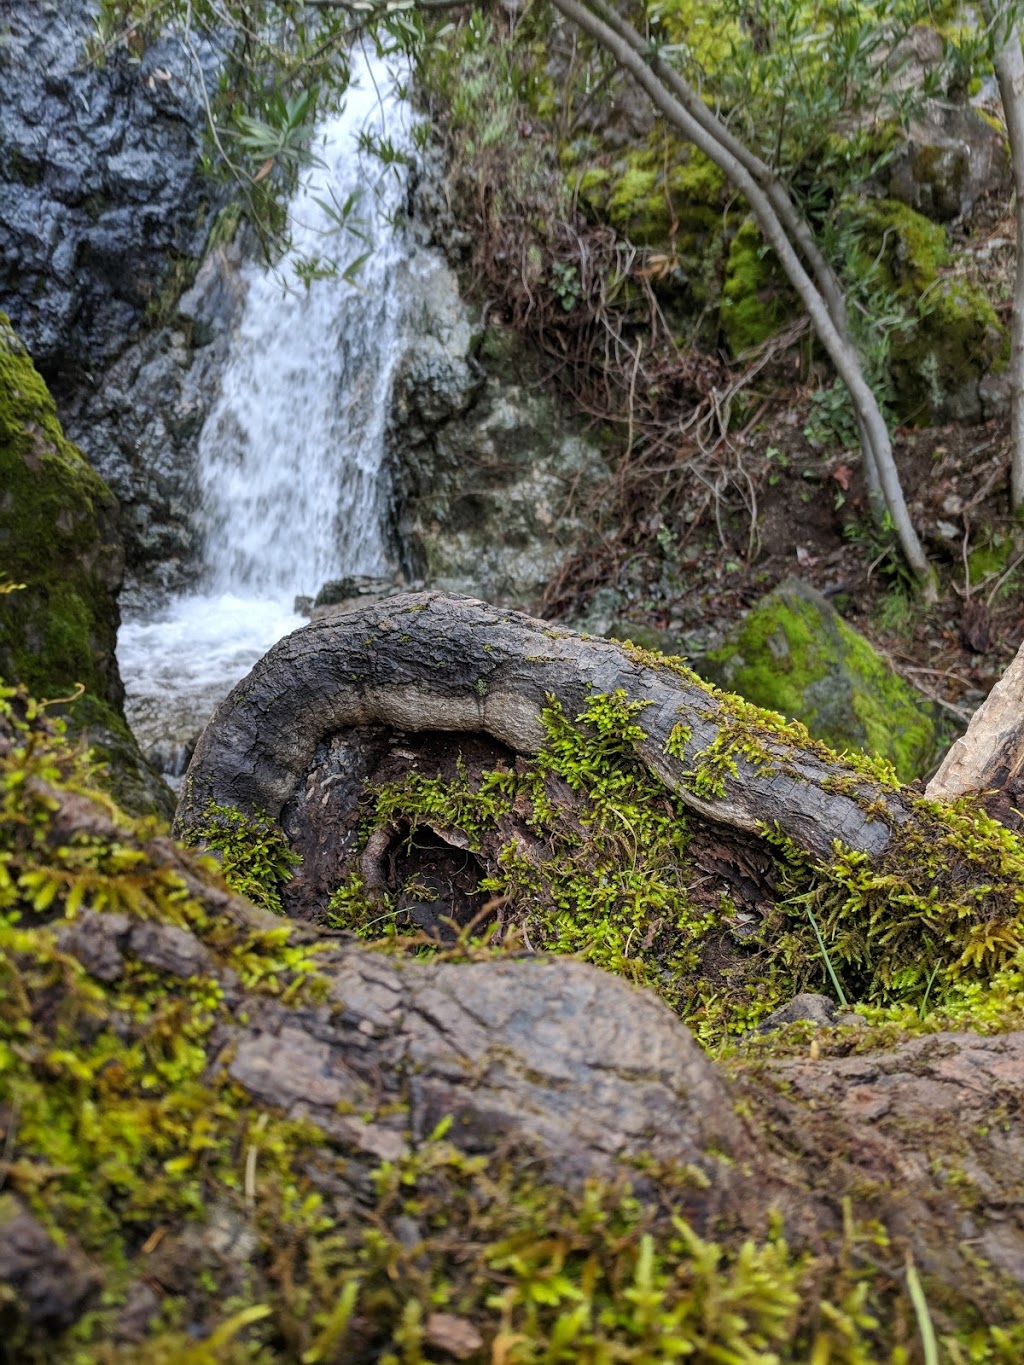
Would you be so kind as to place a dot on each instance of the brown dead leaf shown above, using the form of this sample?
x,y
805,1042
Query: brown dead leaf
x,y
841,474
264,170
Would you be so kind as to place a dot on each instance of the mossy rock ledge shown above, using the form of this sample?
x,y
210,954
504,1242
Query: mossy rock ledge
x,y
793,653
62,560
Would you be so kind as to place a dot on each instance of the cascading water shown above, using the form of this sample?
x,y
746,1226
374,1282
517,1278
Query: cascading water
x,y
292,458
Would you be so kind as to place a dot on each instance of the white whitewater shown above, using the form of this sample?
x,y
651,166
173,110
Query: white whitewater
x,y
292,457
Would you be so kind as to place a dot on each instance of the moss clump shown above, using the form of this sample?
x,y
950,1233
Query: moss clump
x,y
665,194
710,40
952,336
757,300
794,654
254,855
60,543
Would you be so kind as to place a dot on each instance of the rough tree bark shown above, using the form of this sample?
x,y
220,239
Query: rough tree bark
x,y
990,756
430,662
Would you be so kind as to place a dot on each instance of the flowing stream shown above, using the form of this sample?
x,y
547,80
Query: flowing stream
x,y
292,457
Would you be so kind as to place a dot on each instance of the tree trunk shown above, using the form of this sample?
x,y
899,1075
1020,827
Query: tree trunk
x,y
427,662
990,756
1008,61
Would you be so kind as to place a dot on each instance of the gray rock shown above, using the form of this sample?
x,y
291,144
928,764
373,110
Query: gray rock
x,y
952,158
102,187
815,1009
106,216
490,474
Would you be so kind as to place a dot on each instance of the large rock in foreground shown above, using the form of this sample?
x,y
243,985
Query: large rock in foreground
x,y
793,653
228,1138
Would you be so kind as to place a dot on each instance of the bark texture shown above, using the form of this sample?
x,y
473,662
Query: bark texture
x,y
430,662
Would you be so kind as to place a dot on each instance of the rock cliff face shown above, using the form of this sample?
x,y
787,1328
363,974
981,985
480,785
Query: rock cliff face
x,y
104,207
106,218
140,424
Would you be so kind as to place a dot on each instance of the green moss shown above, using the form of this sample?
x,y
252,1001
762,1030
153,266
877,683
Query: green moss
x,y
990,559
709,39
664,194
254,855
757,301
611,885
59,540
953,336
794,654
58,537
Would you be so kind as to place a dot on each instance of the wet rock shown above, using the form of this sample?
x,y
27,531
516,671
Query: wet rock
x,y
103,199
490,475
139,425
793,653
346,594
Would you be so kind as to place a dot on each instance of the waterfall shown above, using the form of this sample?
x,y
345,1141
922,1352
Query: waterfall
x,y
291,462
291,458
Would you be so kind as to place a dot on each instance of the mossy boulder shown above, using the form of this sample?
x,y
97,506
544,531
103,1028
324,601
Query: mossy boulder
x,y
952,338
757,299
793,653
60,569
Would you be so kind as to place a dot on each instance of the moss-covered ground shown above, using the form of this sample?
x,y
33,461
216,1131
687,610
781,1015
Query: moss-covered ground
x,y
126,1140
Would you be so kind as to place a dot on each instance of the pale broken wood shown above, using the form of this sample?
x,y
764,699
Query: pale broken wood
x,y
991,754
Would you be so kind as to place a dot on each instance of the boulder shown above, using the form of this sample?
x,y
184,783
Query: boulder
x,y
952,157
793,653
